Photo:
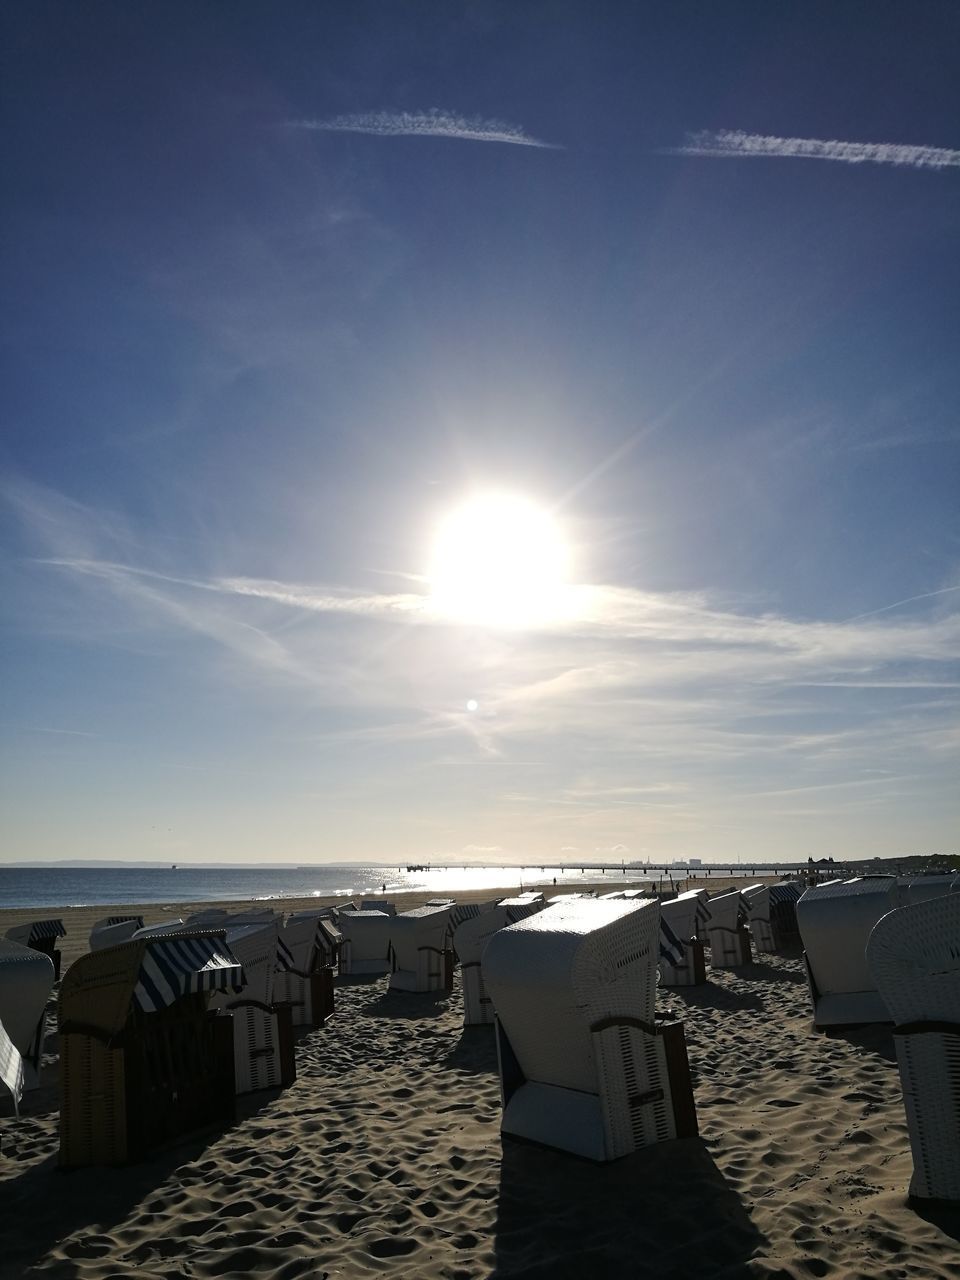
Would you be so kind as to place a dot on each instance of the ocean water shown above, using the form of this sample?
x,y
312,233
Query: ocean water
x,y
44,887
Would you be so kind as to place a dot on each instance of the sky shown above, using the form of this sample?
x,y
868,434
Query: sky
x,y
290,286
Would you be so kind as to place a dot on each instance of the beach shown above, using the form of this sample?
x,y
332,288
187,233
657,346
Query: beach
x,y
385,1158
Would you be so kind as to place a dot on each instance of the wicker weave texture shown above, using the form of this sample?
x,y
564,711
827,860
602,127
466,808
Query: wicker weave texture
x,y
930,1078
634,1089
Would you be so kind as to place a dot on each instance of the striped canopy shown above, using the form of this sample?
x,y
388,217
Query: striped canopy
x,y
46,929
173,967
284,956
463,911
123,920
11,1068
671,948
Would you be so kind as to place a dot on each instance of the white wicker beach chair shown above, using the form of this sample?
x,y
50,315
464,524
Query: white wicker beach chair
x,y
727,931
263,1055
835,921
914,956
757,898
681,951
920,888
113,930
421,958
365,942
376,904
304,978
11,1068
26,980
583,1065
42,936
469,939
262,1029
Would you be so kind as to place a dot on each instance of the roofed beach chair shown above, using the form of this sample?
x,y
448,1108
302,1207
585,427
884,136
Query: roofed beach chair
x,y
914,956
41,935
920,888
304,978
835,921
681,955
11,1068
421,958
114,929
263,1050
26,980
757,898
727,931
469,939
377,904
143,1060
583,1065
783,913
365,942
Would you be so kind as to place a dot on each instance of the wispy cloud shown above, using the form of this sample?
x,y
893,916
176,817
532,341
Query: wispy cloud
x,y
434,123
736,143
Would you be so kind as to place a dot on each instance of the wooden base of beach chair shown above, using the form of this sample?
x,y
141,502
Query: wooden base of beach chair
x,y
691,971
169,1073
928,1055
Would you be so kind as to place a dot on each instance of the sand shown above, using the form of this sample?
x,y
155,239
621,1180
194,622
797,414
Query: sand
x,y
385,1158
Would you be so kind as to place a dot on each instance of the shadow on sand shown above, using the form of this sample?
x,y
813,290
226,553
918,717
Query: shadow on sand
x,y
561,1218
59,1202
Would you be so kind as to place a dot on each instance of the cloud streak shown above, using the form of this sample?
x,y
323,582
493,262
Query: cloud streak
x,y
434,123
734,143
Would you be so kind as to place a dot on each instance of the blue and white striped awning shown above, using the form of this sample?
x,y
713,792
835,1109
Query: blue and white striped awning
x,y
124,919
46,929
520,911
284,957
671,948
173,967
11,1068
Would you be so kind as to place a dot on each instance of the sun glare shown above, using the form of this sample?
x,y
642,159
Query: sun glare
x,y
499,560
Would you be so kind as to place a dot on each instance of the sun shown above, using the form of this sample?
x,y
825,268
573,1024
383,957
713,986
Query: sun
x,y
499,560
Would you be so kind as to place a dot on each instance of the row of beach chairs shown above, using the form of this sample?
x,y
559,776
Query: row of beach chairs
x,y
586,1064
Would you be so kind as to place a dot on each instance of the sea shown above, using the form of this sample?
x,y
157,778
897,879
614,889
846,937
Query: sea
x,y
114,886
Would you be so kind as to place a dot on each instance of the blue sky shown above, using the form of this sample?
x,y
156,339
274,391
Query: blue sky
x,y
287,284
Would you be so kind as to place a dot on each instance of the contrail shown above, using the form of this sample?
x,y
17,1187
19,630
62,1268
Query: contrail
x,y
926,595
736,143
425,124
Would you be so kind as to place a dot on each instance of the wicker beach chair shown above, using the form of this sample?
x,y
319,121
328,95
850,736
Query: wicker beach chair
x,y
304,978
835,921
11,1068
113,930
727,931
365,942
41,935
783,913
377,904
920,888
469,939
682,961
757,899
26,980
914,956
421,957
143,1060
584,1066
262,1028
